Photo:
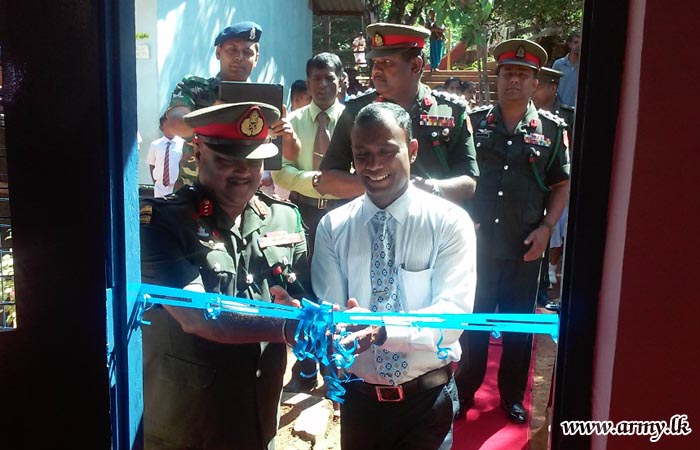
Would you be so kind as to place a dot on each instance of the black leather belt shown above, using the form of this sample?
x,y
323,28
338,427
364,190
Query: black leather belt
x,y
318,203
385,393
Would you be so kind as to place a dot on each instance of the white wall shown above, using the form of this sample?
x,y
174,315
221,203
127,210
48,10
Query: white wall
x,y
181,42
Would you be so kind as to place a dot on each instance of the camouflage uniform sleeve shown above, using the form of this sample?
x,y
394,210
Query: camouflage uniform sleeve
x,y
183,95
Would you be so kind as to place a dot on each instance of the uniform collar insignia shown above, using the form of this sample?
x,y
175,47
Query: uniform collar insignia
x,y
259,207
206,208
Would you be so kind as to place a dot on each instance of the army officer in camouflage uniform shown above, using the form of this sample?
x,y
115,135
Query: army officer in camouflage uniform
x,y
216,384
446,163
238,50
522,191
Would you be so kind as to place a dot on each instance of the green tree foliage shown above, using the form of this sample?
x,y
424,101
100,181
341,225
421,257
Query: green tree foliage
x,y
539,17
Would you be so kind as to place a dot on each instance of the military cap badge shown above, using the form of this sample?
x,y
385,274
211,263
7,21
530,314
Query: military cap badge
x,y
378,40
252,124
520,52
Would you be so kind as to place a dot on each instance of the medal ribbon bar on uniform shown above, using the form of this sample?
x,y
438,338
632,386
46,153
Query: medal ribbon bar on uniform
x,y
436,121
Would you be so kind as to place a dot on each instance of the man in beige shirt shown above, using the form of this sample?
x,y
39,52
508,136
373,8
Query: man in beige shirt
x,y
313,125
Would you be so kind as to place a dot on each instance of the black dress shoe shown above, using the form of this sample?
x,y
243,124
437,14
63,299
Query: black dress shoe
x,y
464,406
515,411
300,384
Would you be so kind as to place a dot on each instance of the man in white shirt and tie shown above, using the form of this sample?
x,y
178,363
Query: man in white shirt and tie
x,y
394,249
164,160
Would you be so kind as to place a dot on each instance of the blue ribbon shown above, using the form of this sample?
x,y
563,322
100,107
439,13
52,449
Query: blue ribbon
x,y
317,325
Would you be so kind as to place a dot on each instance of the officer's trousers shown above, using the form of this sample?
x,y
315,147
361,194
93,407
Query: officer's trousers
x,y
510,286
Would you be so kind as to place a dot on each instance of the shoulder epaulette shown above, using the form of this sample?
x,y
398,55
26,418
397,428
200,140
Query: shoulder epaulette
x,y
263,196
553,117
360,95
567,107
449,98
480,109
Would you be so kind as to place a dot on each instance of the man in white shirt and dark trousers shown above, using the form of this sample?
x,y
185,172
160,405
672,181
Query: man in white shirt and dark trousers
x,y
164,160
396,248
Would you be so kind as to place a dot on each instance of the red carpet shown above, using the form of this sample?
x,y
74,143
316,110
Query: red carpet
x,y
486,426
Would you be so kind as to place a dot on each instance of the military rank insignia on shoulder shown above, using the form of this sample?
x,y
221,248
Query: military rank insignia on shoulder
x,y
553,117
567,107
480,109
363,94
451,98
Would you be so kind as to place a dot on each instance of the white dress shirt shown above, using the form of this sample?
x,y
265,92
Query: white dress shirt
x,y
436,253
156,155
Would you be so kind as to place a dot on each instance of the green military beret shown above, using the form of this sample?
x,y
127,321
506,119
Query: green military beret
x,y
236,129
549,75
390,38
520,52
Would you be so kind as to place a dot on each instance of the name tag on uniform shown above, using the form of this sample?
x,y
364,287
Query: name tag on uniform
x,y
427,120
537,139
277,238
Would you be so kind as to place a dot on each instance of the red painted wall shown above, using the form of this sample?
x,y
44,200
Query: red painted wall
x,y
653,258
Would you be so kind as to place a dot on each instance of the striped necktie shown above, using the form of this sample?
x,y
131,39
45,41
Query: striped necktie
x,y
166,165
322,139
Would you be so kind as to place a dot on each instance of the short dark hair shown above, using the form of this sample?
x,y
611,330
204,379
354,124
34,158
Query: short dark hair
x,y
451,80
414,53
373,114
298,87
325,60
573,34
467,86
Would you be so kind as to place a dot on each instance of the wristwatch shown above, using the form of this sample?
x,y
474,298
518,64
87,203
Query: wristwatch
x,y
316,179
436,190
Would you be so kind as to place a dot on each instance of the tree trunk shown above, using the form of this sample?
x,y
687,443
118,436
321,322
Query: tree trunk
x,y
397,11
372,11
418,7
482,52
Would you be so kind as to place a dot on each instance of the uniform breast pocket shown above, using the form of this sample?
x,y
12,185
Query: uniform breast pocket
x,y
415,287
483,144
539,155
